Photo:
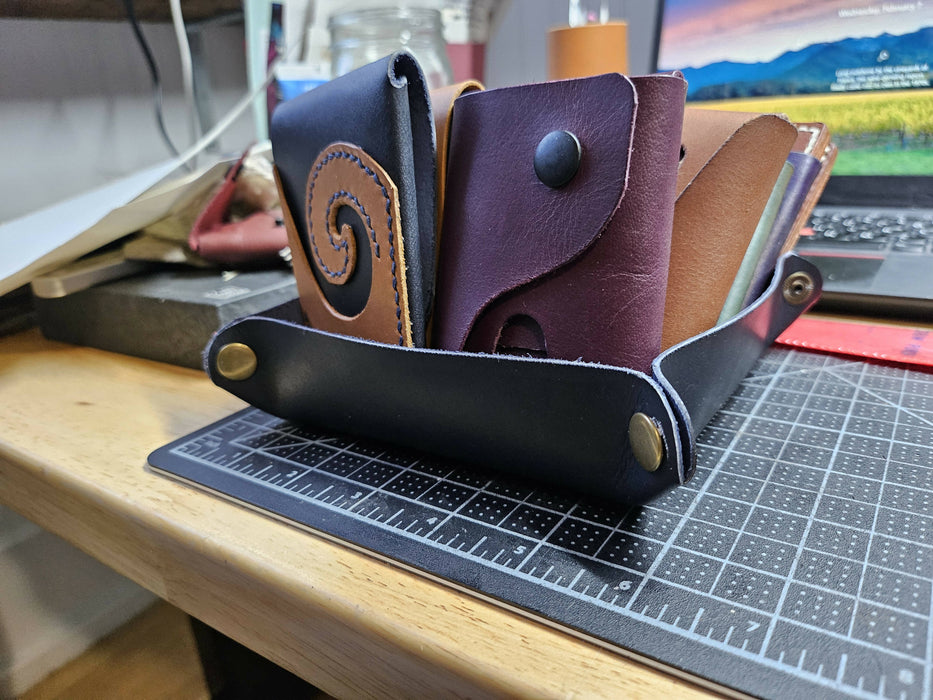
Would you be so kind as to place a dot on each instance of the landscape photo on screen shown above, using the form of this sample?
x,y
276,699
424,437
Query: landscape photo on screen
x,y
861,67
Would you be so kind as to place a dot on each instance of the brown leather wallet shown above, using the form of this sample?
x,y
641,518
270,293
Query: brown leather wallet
x,y
730,163
557,219
442,109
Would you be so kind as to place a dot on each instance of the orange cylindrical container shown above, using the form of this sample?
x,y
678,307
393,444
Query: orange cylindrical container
x,y
590,49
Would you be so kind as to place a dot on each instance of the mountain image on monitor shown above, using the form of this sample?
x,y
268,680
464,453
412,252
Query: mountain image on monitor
x,y
851,64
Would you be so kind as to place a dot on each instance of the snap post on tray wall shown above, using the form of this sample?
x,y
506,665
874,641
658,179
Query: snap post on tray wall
x,y
619,433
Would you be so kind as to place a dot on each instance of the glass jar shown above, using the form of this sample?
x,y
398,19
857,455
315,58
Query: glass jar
x,y
363,36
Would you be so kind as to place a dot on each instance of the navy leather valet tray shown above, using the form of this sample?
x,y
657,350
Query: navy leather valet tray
x,y
603,431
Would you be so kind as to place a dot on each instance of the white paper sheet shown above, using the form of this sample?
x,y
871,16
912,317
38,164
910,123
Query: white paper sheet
x,y
49,238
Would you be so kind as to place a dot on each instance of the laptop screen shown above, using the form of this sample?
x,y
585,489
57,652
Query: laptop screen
x,y
860,66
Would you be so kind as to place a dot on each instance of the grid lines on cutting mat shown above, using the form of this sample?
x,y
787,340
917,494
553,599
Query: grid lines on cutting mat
x,y
800,551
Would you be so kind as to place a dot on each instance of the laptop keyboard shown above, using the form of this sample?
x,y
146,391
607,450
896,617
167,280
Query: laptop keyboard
x,y
901,231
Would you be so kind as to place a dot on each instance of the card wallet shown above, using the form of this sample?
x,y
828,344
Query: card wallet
x,y
731,161
355,164
442,109
557,219
827,160
786,224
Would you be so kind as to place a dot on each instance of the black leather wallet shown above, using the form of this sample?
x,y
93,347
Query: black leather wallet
x,y
355,164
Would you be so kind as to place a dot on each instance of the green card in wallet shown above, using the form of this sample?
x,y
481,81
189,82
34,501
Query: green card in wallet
x,y
735,300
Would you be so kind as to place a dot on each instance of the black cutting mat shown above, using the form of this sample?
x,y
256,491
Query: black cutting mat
x,y
798,560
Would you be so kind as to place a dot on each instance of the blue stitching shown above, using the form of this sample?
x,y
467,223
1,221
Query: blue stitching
x,y
330,237
369,226
385,193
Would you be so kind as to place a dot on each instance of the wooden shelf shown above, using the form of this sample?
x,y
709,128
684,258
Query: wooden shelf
x,y
146,10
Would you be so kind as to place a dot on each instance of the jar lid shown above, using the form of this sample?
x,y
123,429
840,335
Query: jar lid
x,y
375,16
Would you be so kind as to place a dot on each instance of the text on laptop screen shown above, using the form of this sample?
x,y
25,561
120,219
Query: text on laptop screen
x,y
862,67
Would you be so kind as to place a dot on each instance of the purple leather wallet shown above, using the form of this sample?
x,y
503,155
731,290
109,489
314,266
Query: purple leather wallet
x,y
558,219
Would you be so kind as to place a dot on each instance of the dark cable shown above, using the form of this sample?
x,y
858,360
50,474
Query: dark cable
x,y
154,72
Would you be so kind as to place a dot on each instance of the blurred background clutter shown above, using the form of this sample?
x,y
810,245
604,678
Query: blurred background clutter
x,y
76,93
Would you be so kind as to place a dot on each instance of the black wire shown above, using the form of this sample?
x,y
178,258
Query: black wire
x,y
154,72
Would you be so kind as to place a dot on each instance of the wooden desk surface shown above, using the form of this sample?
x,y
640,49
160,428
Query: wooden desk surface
x,y
75,429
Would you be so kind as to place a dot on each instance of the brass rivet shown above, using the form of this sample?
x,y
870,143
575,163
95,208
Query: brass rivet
x,y
645,439
236,361
798,288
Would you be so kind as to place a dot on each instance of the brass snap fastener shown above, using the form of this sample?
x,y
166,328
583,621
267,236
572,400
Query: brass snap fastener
x,y
236,362
645,439
798,288
557,158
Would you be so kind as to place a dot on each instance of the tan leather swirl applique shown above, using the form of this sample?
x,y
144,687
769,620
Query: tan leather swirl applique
x,y
353,230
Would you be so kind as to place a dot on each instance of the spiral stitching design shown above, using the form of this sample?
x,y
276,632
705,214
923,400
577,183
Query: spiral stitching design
x,y
385,194
369,227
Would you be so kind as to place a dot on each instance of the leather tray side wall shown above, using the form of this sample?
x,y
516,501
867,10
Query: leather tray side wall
x,y
560,423
557,422
700,373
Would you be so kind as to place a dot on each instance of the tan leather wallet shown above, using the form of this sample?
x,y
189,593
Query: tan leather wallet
x,y
730,163
442,109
